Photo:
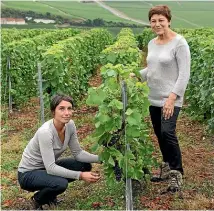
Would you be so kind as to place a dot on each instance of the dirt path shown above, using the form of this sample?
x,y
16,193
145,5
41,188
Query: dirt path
x,y
119,13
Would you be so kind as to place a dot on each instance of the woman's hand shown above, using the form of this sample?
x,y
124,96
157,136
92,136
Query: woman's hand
x,y
168,108
132,75
89,176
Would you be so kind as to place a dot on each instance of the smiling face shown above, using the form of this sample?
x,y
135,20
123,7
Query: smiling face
x,y
63,112
159,24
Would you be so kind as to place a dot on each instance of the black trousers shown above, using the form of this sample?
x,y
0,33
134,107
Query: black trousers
x,y
167,139
49,186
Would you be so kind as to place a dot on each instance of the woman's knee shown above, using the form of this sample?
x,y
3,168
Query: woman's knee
x,y
168,129
62,185
167,134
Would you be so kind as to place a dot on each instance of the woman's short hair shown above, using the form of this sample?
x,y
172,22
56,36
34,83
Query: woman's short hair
x,y
58,98
160,10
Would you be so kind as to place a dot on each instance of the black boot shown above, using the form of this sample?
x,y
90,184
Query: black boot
x,y
35,204
176,181
146,171
55,201
164,173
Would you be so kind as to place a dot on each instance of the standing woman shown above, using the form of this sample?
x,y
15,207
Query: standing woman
x,y
167,74
41,169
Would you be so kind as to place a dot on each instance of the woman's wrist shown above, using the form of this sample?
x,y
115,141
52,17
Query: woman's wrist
x,y
172,96
80,177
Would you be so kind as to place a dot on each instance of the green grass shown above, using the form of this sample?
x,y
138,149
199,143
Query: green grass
x,y
92,194
66,9
85,10
137,10
207,188
200,13
186,14
33,6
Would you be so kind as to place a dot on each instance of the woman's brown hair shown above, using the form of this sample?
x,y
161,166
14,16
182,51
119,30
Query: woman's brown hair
x,y
160,10
57,99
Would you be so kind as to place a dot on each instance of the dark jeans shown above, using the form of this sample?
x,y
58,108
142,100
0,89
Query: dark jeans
x,y
167,139
49,186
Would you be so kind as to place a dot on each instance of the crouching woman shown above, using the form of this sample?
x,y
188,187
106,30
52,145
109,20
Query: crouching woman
x,y
40,168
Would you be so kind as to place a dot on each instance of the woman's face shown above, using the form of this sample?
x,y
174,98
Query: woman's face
x,y
63,112
159,24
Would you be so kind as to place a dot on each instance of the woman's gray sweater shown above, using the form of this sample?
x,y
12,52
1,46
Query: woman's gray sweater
x,y
168,70
45,148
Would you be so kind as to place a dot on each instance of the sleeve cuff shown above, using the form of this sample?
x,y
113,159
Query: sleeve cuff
x,y
143,74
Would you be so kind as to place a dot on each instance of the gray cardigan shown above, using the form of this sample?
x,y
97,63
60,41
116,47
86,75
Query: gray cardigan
x,y
168,70
45,148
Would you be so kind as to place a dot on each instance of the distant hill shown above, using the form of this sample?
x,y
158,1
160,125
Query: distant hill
x,y
65,13
186,14
68,10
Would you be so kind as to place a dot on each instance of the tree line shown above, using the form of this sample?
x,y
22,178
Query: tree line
x,y
13,13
